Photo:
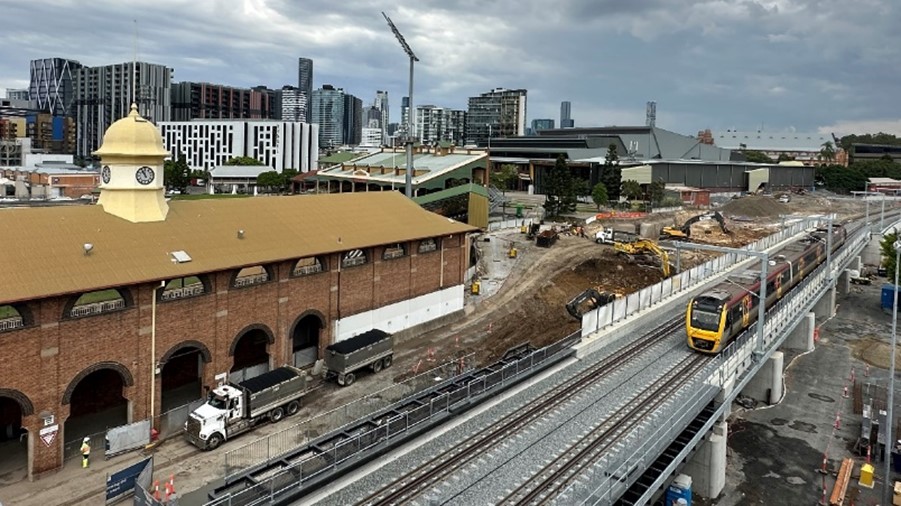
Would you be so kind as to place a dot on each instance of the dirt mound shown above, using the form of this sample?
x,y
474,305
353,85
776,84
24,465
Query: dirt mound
x,y
754,206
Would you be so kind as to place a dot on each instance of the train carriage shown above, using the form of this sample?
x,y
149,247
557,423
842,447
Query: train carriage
x,y
723,312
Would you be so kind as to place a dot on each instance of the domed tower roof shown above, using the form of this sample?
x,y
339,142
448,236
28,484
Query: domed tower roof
x,y
132,136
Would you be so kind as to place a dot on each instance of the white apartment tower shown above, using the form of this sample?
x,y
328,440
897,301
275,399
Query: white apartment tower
x,y
207,144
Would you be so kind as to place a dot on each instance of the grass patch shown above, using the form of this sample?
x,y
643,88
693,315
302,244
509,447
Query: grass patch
x,y
99,296
183,282
205,196
8,312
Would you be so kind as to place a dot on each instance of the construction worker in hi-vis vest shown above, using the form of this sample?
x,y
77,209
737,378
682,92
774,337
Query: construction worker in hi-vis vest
x,y
85,452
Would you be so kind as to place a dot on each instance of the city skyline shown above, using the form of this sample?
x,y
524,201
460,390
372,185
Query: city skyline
x,y
738,64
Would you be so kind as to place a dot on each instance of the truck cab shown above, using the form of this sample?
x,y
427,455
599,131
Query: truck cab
x,y
208,424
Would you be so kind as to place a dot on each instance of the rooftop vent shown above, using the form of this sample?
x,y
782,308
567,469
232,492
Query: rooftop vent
x,y
180,257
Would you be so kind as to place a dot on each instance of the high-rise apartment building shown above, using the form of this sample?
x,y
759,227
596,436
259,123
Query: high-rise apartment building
x,y
504,110
192,100
327,111
353,120
542,124
434,124
381,102
566,120
372,118
293,103
305,82
52,85
104,95
404,114
207,144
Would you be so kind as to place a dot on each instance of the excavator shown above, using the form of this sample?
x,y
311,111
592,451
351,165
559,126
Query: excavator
x,y
589,300
645,247
683,233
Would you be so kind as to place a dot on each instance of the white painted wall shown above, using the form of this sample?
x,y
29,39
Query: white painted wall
x,y
402,315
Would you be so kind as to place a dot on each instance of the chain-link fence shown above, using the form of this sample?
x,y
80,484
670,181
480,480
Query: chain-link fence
x,y
270,447
172,422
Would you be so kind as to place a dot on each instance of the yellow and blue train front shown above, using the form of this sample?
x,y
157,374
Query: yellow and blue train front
x,y
704,327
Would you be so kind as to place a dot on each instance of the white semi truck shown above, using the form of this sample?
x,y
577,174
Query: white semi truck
x,y
234,408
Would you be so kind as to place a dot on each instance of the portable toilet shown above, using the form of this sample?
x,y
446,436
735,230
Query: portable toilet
x,y
679,491
887,302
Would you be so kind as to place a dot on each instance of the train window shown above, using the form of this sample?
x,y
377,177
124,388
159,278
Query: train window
x,y
705,318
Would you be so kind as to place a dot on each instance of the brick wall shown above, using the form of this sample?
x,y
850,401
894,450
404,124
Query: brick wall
x,y
44,358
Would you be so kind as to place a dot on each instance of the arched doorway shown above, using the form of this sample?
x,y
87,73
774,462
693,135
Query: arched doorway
x,y
305,340
181,377
96,403
13,438
251,354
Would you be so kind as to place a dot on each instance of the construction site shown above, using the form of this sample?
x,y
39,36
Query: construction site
x,y
525,277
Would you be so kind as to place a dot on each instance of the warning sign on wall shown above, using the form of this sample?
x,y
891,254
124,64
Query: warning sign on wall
x,y
48,434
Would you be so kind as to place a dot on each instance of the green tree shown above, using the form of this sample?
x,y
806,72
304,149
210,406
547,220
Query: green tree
x,y
841,179
756,156
632,190
177,174
827,152
878,168
244,160
785,158
599,195
888,255
559,189
270,180
504,176
581,187
612,174
656,191
287,176
879,138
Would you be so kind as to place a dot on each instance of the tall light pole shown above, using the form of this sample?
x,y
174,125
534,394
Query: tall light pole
x,y
887,486
409,140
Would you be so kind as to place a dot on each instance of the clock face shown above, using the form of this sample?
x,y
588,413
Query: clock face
x,y
144,175
105,173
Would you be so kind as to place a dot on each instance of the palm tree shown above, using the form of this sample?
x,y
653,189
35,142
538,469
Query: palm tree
x,y
827,152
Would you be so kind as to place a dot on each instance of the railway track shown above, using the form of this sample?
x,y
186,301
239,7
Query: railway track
x,y
435,470
543,487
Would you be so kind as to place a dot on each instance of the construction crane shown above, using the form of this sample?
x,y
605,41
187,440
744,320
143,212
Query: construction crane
x,y
645,247
683,233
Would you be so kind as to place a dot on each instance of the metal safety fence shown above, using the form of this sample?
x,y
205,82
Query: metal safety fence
x,y
172,422
275,445
347,445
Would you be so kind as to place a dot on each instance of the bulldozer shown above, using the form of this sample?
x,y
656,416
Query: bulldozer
x,y
589,300
645,247
683,233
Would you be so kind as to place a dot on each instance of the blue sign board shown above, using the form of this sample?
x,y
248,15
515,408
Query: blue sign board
x,y
122,483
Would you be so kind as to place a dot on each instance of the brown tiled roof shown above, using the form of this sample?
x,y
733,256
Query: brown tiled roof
x,y
42,248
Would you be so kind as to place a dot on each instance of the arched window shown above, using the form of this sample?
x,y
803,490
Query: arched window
x,y
308,265
427,245
93,303
10,318
353,258
394,251
181,288
250,276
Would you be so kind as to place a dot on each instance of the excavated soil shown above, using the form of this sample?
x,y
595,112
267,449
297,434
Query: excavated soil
x,y
754,206
873,351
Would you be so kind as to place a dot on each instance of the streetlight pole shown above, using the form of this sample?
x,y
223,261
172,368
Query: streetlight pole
x,y
409,139
887,485
882,216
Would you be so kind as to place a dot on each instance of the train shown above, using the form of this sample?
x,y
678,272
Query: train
x,y
724,311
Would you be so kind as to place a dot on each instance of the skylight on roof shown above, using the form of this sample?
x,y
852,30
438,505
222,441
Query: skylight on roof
x,y
180,257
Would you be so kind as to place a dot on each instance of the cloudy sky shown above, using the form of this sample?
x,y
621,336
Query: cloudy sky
x,y
827,65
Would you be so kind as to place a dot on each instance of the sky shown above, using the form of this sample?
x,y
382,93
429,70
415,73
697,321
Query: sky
x,y
781,65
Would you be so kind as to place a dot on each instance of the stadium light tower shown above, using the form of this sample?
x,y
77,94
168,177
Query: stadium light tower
x,y
409,140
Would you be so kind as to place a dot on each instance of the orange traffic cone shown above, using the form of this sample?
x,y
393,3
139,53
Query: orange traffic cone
x,y
156,490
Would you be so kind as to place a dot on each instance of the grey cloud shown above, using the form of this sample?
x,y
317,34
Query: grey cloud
x,y
708,63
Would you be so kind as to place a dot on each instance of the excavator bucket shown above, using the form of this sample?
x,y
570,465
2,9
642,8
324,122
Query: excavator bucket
x,y
587,301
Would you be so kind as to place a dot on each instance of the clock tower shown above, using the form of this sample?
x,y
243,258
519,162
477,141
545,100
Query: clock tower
x,y
131,160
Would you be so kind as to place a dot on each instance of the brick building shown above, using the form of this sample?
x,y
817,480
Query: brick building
x,y
110,314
